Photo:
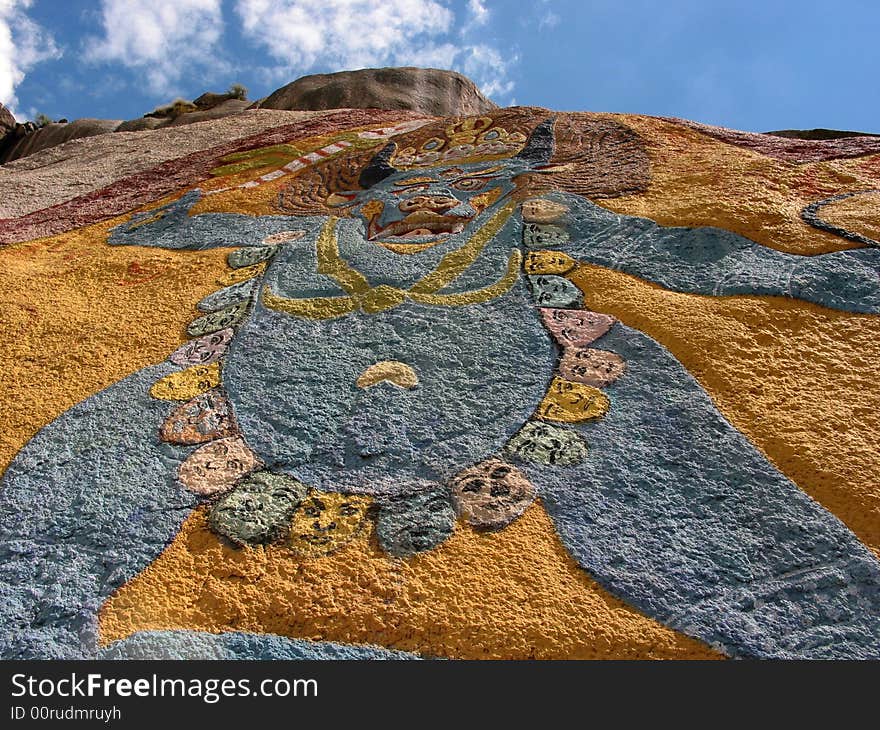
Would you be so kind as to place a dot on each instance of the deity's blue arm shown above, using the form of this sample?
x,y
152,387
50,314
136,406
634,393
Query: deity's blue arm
x,y
171,226
711,260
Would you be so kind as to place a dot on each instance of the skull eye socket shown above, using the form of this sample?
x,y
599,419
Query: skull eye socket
x,y
311,510
499,490
500,472
473,485
348,510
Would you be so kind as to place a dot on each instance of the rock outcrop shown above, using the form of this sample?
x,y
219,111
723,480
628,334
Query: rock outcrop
x,y
817,134
426,90
57,133
7,121
429,91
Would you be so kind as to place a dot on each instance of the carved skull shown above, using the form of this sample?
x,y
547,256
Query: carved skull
x,y
491,494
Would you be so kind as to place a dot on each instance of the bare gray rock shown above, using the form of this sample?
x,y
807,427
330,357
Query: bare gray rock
x,y
223,109
431,91
54,134
141,124
7,121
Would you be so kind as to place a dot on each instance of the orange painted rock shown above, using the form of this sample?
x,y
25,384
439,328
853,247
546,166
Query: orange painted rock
x,y
186,384
593,367
203,350
569,402
206,417
575,327
215,467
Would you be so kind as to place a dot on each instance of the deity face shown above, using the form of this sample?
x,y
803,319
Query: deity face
x,y
413,210
491,494
325,521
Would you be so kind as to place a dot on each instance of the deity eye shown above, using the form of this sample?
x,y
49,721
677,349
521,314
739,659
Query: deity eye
x,y
473,485
435,143
470,183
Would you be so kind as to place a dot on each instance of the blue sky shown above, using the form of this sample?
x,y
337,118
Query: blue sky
x,y
749,65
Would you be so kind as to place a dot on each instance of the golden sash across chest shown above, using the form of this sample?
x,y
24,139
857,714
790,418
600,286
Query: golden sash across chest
x,y
362,296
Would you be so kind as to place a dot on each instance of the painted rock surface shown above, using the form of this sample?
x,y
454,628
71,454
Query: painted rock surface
x,y
503,384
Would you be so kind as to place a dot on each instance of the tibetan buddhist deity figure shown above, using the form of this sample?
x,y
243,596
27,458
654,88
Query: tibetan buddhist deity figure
x,y
402,346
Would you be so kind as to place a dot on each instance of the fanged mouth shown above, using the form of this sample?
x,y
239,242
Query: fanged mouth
x,y
417,226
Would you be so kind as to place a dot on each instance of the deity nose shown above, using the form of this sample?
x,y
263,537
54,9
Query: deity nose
x,y
428,202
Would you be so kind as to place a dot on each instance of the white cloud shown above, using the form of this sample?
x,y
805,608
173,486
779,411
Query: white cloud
x,y
548,20
23,44
161,39
309,35
487,64
345,33
479,12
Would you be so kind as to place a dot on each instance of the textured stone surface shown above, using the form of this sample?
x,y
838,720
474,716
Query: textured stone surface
x,y
236,645
542,605
661,528
324,522
7,121
203,350
848,215
58,563
717,262
591,366
258,510
685,499
55,134
414,522
793,148
206,417
702,180
492,494
215,467
430,91
68,195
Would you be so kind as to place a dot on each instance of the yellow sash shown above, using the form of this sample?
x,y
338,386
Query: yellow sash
x,y
361,296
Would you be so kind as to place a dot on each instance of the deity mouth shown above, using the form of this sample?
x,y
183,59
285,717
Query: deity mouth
x,y
416,227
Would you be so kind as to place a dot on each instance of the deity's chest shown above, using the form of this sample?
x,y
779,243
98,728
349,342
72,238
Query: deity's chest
x,y
339,260
480,369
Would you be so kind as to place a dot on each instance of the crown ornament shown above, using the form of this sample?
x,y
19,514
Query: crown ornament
x,y
475,139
